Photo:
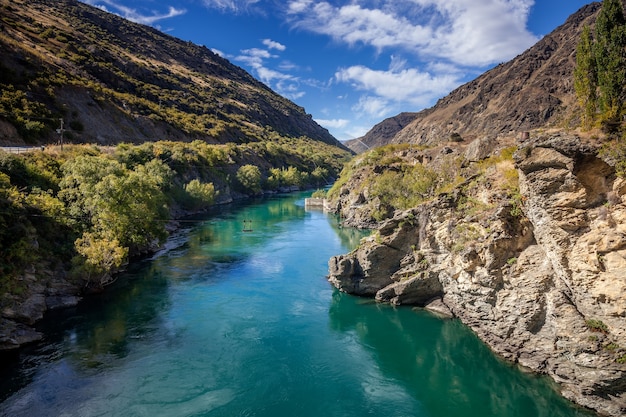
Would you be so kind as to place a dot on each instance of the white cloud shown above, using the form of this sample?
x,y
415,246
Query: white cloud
x,y
288,66
231,5
465,32
134,15
333,123
298,6
289,87
268,75
372,106
273,44
399,84
284,83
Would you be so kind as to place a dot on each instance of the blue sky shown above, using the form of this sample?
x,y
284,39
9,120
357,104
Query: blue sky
x,y
353,63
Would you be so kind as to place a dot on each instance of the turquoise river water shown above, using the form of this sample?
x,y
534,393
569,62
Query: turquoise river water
x,y
226,322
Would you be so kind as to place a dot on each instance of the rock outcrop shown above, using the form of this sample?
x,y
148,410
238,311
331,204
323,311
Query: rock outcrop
x,y
544,287
42,291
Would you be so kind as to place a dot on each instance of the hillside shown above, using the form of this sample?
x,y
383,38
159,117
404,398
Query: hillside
x,y
112,81
382,133
534,90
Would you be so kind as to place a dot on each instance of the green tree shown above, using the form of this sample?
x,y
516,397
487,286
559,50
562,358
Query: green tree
x,y
610,54
292,176
585,78
319,175
201,194
98,258
274,179
249,176
117,204
129,208
80,177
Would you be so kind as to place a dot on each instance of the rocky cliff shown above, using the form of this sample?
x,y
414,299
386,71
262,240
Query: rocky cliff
x,y
539,278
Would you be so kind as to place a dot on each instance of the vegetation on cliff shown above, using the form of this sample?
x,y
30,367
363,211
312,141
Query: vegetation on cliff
x,y
600,72
392,178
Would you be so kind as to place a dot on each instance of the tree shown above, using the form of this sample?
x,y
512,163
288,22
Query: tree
x,y
98,258
274,179
600,73
320,175
249,176
130,209
80,177
610,55
117,204
201,195
585,78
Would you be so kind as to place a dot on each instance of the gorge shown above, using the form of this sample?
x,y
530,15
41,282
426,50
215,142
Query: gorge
x,y
225,322
492,208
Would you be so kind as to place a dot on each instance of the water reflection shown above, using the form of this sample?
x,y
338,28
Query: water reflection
x,y
97,332
227,323
444,364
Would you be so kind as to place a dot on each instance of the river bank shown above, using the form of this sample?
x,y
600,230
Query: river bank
x,y
227,322
539,278
47,289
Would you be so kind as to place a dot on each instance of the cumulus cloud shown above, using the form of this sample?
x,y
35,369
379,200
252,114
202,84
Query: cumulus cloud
x,y
133,14
398,84
464,32
273,44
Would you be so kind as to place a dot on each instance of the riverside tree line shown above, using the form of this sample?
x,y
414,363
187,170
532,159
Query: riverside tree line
x,y
88,210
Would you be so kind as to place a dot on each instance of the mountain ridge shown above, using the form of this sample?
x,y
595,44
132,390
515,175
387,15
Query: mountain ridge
x,y
119,81
533,90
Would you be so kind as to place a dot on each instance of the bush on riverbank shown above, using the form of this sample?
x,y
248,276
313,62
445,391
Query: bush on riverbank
x,y
87,210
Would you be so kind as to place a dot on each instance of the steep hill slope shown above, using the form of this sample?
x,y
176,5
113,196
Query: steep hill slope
x,y
534,90
112,80
382,133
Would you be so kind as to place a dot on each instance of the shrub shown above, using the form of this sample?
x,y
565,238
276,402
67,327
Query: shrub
x,y
597,326
201,195
249,177
319,194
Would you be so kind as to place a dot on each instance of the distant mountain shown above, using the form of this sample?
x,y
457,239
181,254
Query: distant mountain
x,y
382,133
534,90
111,80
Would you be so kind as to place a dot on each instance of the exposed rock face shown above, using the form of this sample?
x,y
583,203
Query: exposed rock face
x,y
545,289
49,291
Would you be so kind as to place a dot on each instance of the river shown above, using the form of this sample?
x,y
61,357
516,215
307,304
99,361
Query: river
x,y
227,322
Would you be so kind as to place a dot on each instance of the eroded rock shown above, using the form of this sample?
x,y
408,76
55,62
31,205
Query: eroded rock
x,y
528,285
